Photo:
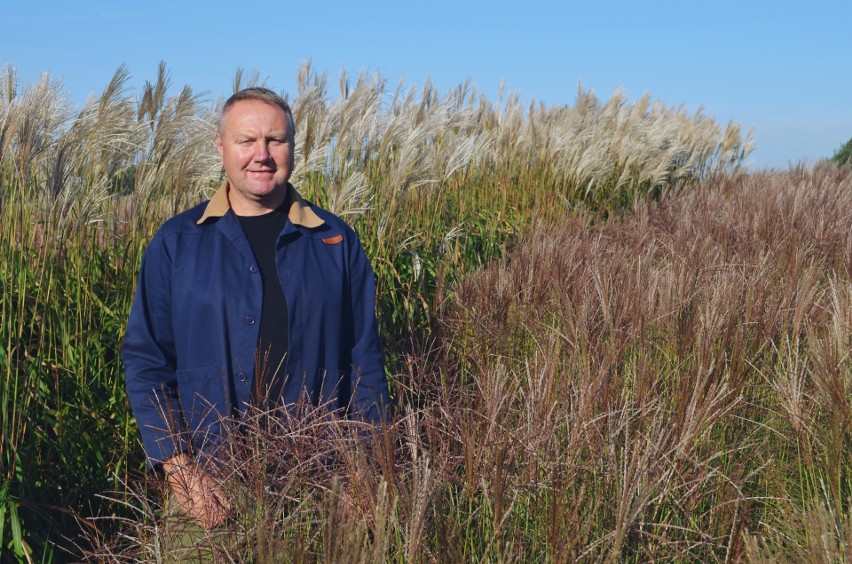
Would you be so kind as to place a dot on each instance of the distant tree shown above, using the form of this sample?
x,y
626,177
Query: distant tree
x,y
843,155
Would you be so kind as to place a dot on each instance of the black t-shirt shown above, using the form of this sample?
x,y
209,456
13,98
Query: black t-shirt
x,y
262,232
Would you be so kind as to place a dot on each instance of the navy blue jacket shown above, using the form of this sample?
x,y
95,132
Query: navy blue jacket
x,y
191,343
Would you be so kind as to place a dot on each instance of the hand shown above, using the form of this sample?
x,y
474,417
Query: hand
x,y
197,493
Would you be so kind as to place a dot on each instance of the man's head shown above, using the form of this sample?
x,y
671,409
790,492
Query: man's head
x,y
255,140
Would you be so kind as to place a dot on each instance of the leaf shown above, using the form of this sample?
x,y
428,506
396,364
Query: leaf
x,y
17,536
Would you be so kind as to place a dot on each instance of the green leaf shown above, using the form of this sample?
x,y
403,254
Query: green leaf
x,y
17,536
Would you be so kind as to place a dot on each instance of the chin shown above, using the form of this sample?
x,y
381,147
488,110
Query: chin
x,y
263,189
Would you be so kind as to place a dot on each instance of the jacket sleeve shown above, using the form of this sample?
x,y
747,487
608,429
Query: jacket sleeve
x,y
149,358
370,396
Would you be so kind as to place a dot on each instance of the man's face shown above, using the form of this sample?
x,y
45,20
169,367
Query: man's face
x,y
256,147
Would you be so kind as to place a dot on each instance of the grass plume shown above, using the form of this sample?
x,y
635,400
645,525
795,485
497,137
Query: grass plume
x,y
607,342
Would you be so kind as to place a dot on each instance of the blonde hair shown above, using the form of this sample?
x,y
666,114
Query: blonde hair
x,y
263,95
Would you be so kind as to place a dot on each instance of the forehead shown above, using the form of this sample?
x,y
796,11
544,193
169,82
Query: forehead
x,y
254,114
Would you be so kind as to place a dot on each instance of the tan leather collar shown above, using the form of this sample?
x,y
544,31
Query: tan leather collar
x,y
300,212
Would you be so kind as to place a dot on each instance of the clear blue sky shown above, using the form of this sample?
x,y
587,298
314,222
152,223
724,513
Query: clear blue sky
x,y
782,68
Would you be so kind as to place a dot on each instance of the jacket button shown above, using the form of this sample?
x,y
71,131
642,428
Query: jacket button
x,y
252,269
250,320
242,376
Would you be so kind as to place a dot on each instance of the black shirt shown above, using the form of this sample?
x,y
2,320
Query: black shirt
x,y
262,232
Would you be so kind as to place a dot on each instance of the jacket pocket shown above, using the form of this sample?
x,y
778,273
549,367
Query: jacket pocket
x,y
204,401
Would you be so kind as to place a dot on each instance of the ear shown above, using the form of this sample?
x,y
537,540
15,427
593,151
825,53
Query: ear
x,y
219,144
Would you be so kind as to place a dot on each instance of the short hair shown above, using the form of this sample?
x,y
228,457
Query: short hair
x,y
263,95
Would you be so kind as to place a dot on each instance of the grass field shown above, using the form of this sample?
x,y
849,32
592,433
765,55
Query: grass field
x,y
605,340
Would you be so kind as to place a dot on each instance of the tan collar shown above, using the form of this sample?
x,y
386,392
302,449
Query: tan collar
x,y
300,212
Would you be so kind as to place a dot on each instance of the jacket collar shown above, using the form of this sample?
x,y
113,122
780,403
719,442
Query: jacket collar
x,y
300,212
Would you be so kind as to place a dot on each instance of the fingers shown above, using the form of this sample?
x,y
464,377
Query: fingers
x,y
220,499
207,507
200,496
216,508
211,514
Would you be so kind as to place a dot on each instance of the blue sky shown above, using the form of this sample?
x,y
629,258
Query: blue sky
x,y
779,67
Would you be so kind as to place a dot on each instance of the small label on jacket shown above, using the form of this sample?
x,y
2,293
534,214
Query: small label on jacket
x,y
333,240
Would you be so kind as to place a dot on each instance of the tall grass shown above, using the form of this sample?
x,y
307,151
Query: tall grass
x,y
437,185
672,386
685,373
440,184
77,194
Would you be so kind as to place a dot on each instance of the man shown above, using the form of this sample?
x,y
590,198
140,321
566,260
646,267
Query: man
x,y
255,297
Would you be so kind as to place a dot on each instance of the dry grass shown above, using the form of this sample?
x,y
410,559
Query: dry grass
x,y
686,371
671,383
672,386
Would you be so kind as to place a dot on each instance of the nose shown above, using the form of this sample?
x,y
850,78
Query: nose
x,y
261,151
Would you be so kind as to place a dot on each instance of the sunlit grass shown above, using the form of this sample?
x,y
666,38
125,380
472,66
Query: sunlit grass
x,y
579,374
